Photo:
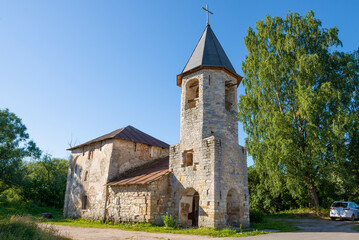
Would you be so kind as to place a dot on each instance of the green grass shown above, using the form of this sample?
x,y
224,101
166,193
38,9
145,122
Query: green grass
x,y
147,227
25,228
275,224
321,213
33,212
356,228
8,209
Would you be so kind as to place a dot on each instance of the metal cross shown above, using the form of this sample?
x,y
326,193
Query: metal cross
x,y
206,9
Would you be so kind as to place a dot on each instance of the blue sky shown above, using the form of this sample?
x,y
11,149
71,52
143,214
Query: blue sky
x,y
75,70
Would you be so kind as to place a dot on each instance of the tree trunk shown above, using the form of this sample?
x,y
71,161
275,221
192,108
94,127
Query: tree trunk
x,y
312,194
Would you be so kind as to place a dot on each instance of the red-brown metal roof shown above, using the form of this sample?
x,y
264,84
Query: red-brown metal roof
x,y
144,176
127,133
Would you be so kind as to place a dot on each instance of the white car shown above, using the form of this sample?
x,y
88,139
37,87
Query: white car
x,y
347,210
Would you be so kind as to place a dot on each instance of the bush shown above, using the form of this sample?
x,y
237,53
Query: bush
x,y
256,216
169,221
22,228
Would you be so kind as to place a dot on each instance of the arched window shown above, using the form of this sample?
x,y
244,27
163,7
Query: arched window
x,y
192,94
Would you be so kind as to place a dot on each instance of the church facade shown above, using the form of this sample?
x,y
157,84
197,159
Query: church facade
x,y
202,181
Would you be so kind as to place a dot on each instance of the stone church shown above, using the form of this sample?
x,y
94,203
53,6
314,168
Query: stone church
x,y
130,176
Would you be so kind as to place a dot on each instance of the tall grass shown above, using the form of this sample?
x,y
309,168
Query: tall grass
x,y
20,208
21,227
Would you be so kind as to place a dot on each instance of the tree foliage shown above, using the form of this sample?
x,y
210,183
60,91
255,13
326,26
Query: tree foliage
x,y
15,145
23,175
300,108
45,181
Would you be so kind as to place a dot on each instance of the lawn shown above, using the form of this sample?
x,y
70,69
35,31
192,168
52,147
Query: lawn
x,y
319,213
30,213
147,227
33,212
270,223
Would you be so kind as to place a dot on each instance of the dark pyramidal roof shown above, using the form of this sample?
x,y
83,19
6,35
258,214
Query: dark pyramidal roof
x,y
127,133
208,52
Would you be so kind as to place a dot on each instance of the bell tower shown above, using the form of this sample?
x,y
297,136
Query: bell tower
x,y
209,169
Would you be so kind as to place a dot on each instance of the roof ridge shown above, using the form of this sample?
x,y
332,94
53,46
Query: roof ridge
x,y
129,133
195,49
215,46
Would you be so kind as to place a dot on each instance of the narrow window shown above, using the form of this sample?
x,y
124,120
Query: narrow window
x,y
230,96
135,147
84,202
85,178
91,151
192,94
188,157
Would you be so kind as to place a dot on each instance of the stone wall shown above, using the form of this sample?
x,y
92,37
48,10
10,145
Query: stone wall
x,y
90,171
87,176
128,155
138,202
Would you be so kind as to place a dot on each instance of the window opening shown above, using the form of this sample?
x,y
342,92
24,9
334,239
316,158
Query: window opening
x,y
188,157
84,202
230,96
91,151
192,94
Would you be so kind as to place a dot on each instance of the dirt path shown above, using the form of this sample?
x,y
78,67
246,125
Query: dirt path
x,y
311,229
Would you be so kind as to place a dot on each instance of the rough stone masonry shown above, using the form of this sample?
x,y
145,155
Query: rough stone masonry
x,y
130,176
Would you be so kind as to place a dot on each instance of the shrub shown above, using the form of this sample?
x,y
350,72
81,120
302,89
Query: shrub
x,y
169,221
256,215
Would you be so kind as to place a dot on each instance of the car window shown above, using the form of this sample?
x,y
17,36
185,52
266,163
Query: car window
x,y
340,205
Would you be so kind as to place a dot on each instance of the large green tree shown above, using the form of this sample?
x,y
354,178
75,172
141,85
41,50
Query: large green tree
x,y
15,145
299,104
45,181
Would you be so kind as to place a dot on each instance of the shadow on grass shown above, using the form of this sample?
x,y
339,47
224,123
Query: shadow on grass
x,y
318,213
275,224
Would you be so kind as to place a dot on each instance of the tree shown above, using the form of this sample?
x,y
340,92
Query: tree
x,y
300,99
45,181
14,147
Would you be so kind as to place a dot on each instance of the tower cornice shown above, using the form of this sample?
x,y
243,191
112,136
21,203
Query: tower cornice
x,y
235,75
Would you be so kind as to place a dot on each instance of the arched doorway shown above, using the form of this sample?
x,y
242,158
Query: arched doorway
x,y
189,208
233,208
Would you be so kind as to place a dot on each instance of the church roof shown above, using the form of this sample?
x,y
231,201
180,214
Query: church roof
x,y
145,175
127,133
208,53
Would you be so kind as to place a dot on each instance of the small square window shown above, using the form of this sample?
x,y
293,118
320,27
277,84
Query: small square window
x,y
188,158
